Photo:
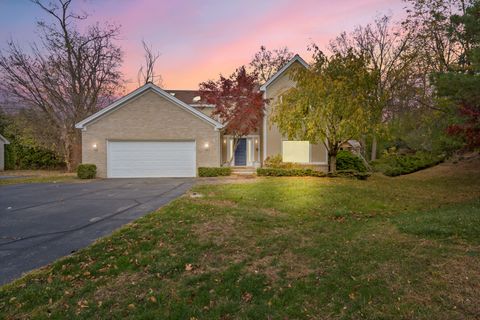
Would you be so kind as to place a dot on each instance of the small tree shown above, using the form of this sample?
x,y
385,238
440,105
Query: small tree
x,y
390,56
265,63
329,103
238,103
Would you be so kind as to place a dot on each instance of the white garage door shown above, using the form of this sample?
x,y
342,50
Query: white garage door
x,y
145,159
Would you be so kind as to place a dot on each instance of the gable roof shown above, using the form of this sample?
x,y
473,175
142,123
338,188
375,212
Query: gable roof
x,y
149,86
190,97
5,141
296,58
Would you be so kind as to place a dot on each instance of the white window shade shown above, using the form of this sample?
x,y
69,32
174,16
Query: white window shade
x,y
296,151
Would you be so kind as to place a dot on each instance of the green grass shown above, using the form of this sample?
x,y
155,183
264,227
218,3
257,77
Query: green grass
x,y
280,248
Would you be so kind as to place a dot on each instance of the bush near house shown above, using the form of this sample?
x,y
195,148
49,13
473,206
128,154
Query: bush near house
x,y
25,157
352,174
392,164
86,171
276,162
282,172
346,160
214,171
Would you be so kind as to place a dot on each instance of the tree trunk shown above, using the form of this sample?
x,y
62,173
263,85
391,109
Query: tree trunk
x,y
332,165
72,150
374,148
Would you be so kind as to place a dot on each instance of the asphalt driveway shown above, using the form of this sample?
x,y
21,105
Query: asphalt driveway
x,y
42,222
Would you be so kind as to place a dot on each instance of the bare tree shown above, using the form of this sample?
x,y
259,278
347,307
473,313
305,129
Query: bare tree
x,y
390,55
265,63
437,48
146,73
65,77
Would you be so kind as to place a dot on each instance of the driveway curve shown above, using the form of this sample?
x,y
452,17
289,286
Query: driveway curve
x,y
42,222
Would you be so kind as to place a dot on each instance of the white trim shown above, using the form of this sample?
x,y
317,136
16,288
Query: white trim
x,y
247,136
282,70
249,152
202,105
5,141
264,129
82,124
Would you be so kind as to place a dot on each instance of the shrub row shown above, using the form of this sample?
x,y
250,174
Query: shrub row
x,y
349,161
277,163
25,157
395,165
214,171
282,172
353,174
86,171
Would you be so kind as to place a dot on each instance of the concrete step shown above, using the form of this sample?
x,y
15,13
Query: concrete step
x,y
243,170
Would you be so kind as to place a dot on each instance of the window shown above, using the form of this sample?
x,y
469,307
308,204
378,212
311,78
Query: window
x,y
296,151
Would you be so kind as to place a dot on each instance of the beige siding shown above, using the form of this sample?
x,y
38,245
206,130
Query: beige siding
x,y
149,117
273,136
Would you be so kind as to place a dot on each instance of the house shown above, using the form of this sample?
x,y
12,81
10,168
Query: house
x,y
3,142
153,132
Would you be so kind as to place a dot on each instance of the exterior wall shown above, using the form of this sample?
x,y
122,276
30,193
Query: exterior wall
x,y
274,138
150,117
2,155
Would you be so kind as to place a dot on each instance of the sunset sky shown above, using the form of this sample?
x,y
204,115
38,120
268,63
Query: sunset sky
x,y
200,39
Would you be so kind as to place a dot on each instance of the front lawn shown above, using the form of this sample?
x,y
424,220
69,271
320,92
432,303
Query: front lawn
x,y
280,248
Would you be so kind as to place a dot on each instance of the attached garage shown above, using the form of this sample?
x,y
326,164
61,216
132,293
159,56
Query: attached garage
x,y
144,159
150,133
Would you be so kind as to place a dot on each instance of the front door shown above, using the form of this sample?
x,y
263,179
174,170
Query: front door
x,y
241,153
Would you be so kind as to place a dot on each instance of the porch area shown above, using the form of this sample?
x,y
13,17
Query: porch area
x,y
245,156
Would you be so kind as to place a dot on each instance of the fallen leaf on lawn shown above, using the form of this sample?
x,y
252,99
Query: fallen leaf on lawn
x,y
152,299
188,267
247,297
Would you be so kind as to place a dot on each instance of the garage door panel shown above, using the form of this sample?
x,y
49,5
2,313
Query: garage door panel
x,y
139,159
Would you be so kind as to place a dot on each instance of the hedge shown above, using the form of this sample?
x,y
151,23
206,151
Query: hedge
x,y
214,171
349,161
395,165
24,157
86,171
281,172
353,174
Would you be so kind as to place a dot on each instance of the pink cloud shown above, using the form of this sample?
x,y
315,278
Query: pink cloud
x,y
197,42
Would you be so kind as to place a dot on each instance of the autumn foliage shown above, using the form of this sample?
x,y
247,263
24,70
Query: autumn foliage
x,y
238,102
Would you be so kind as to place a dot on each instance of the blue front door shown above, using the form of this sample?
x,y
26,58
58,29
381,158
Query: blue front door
x,y
241,153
